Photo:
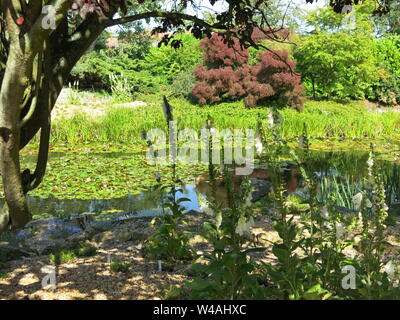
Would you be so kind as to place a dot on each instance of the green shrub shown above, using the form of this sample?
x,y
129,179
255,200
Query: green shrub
x,y
337,65
387,89
168,242
167,62
119,267
150,71
183,84
60,256
86,250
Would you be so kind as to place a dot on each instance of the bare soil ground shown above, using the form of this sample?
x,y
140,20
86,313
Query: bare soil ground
x,y
90,278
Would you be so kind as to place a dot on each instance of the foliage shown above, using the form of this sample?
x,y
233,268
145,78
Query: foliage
x,y
61,256
119,266
228,271
353,20
167,62
311,261
342,190
101,41
337,65
95,69
389,22
323,118
168,242
73,93
146,67
317,274
330,119
120,89
226,75
86,250
183,84
387,89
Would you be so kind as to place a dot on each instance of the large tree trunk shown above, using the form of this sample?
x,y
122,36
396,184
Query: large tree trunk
x,y
16,79
14,134
71,52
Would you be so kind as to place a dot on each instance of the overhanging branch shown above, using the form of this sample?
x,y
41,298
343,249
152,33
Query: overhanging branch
x,y
163,14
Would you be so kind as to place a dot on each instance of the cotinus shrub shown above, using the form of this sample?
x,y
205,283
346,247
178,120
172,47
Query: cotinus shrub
x,y
227,74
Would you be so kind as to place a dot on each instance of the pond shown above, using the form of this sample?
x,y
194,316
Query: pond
x,y
340,173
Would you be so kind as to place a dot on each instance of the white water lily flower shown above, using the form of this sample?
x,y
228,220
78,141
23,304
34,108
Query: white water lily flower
x,y
324,212
389,268
259,146
357,200
244,226
340,230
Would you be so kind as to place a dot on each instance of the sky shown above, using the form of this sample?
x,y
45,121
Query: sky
x,y
309,6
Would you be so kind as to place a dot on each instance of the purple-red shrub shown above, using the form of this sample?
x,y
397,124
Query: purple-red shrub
x,y
227,75
218,54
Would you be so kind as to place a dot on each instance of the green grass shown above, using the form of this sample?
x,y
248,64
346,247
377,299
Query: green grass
x,y
3,275
330,119
323,119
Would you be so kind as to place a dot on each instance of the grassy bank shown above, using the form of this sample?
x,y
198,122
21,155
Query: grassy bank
x,y
323,119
